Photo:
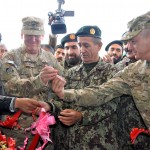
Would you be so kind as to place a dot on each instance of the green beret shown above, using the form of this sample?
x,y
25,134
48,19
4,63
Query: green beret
x,y
136,25
89,31
68,38
32,26
114,42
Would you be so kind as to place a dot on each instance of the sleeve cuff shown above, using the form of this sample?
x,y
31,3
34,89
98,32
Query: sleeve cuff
x,y
12,105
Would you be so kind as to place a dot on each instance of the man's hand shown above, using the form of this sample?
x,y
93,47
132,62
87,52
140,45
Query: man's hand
x,y
27,105
70,116
107,58
44,105
48,73
58,86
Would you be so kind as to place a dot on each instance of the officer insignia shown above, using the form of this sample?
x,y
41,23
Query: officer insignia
x,y
9,70
92,31
72,36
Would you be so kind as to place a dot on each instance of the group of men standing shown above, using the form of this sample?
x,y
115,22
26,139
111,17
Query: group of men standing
x,y
87,118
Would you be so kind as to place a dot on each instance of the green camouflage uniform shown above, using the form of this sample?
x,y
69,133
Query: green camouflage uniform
x,y
88,134
66,66
21,79
133,80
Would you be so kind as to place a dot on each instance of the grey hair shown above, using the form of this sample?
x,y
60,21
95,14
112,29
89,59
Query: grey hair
x,y
96,40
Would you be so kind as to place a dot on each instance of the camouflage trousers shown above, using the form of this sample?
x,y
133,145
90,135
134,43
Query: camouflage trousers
x,y
128,117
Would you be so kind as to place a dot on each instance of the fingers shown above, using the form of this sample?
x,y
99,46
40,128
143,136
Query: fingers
x,y
48,73
58,83
68,117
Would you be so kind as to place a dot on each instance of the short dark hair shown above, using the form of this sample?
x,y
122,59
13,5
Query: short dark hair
x,y
59,46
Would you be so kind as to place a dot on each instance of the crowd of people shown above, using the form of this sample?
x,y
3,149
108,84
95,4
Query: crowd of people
x,y
96,101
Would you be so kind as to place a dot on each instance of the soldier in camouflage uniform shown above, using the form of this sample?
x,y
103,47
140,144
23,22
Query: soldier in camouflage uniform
x,y
133,80
76,133
28,71
130,56
72,51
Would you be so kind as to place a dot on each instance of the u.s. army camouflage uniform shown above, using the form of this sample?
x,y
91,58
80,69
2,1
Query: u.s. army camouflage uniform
x,y
97,128
133,80
21,79
123,63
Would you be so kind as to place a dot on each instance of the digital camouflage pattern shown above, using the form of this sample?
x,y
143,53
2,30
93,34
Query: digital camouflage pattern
x,y
21,79
128,117
133,80
67,66
88,134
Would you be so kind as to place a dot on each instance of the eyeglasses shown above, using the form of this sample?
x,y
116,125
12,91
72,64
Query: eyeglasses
x,y
33,36
3,50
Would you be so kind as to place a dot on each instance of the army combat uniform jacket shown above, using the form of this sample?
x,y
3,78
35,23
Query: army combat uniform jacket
x,y
123,63
21,79
133,80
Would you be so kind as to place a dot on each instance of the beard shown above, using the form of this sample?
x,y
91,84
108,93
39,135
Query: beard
x,y
117,60
73,61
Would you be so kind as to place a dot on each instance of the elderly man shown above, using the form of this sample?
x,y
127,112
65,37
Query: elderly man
x,y
28,70
72,51
130,55
92,71
133,80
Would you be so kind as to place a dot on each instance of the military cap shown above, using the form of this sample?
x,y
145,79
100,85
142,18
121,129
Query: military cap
x,y
114,42
136,25
32,26
68,38
124,36
89,31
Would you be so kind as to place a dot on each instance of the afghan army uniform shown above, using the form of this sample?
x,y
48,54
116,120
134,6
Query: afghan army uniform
x,y
67,66
97,129
21,76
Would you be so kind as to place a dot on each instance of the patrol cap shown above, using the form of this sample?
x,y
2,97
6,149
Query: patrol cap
x,y
32,26
68,38
137,24
89,31
125,36
114,42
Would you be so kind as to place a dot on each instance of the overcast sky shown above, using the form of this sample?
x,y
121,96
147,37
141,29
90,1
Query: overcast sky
x,y
111,16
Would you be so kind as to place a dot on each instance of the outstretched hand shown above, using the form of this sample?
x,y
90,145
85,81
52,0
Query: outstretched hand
x,y
27,105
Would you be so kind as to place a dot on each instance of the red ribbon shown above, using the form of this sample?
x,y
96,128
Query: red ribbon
x,y
135,132
11,122
9,142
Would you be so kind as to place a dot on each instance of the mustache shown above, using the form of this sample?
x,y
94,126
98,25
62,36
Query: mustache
x,y
127,50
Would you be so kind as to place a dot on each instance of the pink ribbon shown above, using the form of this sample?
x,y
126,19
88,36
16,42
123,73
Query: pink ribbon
x,y
41,127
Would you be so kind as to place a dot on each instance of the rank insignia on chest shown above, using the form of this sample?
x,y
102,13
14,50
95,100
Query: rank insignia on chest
x,y
9,70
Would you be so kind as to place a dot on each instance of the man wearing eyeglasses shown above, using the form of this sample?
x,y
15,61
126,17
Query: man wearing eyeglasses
x,y
27,72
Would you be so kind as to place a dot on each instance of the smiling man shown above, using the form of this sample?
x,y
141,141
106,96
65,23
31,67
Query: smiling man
x,y
28,70
115,50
